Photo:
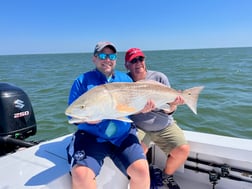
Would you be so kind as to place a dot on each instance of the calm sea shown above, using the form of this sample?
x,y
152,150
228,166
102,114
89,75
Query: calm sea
x,y
224,106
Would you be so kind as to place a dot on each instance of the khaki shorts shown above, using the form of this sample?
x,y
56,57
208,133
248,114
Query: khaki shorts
x,y
170,137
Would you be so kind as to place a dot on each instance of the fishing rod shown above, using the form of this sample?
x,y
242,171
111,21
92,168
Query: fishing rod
x,y
215,175
225,168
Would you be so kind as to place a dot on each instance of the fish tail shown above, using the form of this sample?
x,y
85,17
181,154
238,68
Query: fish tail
x,y
191,97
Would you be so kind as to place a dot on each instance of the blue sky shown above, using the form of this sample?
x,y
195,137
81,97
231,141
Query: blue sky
x,y
62,26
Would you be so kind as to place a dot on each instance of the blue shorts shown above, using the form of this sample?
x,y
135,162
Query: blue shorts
x,y
93,153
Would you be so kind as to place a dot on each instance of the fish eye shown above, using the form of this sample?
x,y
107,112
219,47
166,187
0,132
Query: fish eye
x,y
82,106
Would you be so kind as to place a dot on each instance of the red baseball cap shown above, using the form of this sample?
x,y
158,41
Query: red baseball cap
x,y
133,53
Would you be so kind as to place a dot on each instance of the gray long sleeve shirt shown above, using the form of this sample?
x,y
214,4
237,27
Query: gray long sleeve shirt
x,y
155,120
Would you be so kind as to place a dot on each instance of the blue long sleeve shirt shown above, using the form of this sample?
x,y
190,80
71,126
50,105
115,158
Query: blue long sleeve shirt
x,y
107,130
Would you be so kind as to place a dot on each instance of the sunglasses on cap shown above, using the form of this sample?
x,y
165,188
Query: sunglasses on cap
x,y
135,60
103,56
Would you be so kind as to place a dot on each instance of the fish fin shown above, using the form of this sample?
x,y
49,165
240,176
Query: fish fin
x,y
125,108
165,107
150,81
191,97
125,119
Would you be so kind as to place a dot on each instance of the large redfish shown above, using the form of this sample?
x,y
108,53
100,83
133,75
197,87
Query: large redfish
x,y
121,99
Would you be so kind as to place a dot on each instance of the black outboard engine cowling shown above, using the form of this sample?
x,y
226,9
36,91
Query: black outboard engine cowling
x,y
17,120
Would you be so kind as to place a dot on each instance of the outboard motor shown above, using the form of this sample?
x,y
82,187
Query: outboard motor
x,y
17,120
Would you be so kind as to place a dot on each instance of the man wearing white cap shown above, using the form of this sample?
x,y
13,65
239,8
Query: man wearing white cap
x,y
92,142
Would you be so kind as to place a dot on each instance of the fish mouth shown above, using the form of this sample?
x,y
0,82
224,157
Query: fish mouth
x,y
74,120
68,113
74,116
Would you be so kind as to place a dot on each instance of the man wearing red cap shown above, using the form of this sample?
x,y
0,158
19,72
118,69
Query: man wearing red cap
x,y
158,126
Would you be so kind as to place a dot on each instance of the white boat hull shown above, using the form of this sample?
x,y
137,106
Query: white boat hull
x,y
45,165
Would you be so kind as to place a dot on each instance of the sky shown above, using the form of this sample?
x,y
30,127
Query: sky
x,y
69,26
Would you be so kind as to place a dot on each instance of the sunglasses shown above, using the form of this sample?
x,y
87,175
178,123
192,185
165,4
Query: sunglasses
x,y
103,56
135,60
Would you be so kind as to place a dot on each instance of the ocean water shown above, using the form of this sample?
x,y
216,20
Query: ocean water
x,y
224,106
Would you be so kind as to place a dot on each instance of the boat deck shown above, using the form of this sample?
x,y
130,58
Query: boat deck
x,y
45,165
